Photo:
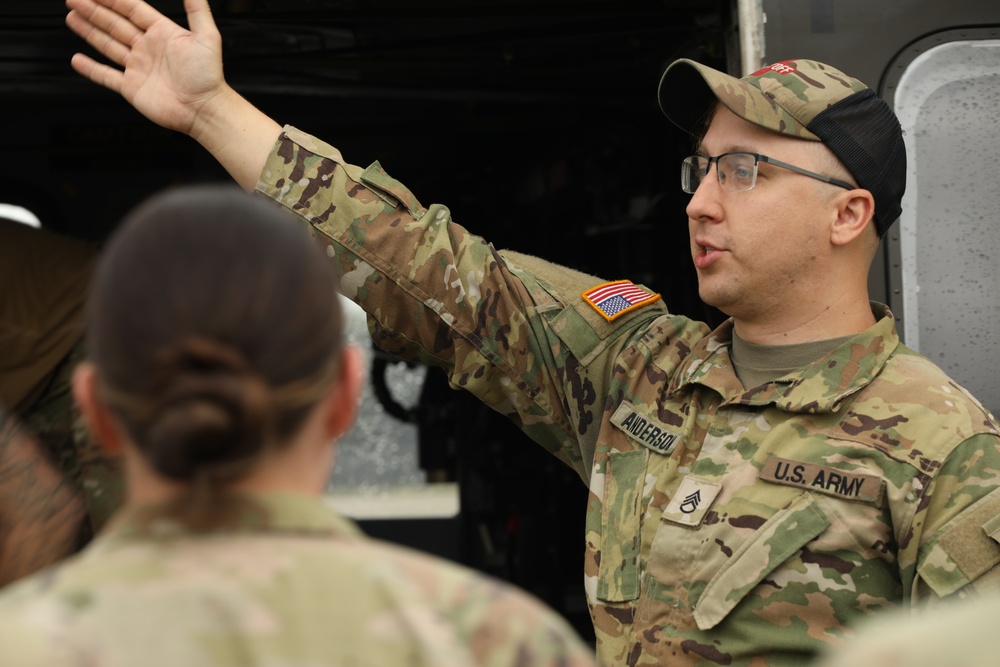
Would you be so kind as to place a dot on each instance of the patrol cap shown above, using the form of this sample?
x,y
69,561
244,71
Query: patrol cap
x,y
807,100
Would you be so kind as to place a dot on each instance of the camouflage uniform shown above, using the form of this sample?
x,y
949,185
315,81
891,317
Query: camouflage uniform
x,y
294,584
725,525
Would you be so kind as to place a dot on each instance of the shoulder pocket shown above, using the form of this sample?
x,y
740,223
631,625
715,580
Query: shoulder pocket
x,y
968,550
587,334
772,544
578,325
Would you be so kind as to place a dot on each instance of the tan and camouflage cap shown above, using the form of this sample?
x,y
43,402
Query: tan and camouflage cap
x,y
808,100
784,97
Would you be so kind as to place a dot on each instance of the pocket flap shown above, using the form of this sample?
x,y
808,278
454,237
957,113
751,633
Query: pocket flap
x,y
772,544
390,190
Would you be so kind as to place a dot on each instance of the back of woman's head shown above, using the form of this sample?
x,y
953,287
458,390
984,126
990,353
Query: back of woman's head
x,y
214,326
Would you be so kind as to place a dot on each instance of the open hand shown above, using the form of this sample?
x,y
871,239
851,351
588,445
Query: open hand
x,y
169,74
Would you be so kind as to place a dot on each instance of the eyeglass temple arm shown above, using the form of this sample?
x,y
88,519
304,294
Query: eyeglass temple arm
x,y
806,172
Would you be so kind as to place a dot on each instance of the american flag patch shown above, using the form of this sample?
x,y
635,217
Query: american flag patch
x,y
612,300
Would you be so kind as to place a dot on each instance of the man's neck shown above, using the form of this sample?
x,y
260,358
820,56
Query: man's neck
x,y
806,325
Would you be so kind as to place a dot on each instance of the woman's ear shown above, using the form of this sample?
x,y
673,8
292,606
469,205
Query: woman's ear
x,y
97,417
344,396
854,211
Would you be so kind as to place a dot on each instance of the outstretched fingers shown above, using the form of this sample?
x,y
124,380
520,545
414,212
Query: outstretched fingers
x,y
112,48
103,75
135,13
96,15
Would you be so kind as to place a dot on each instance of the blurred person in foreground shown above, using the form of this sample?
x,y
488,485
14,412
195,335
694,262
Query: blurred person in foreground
x,y
961,633
217,369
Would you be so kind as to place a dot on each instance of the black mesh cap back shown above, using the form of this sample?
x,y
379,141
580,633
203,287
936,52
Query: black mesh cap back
x,y
865,134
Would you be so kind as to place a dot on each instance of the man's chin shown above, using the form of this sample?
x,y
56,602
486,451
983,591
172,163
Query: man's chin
x,y
720,301
715,298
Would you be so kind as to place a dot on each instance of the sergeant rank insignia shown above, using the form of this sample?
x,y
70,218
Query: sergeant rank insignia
x,y
691,501
612,300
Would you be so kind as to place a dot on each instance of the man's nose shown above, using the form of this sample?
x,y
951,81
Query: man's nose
x,y
704,203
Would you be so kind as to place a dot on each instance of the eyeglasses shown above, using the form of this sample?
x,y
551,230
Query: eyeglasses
x,y
737,171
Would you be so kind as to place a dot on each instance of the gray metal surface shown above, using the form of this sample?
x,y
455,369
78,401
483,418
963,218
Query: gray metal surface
x,y
948,102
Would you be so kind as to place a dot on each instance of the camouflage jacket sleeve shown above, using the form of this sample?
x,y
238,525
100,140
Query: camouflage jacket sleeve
x,y
958,521
438,294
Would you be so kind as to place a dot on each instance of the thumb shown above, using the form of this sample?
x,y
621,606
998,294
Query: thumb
x,y
199,16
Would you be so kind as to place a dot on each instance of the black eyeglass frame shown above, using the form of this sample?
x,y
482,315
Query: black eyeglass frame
x,y
757,159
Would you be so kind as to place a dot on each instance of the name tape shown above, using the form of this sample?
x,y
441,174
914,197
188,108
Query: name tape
x,y
825,479
644,429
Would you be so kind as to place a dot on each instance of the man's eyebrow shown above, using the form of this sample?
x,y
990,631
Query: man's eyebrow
x,y
739,148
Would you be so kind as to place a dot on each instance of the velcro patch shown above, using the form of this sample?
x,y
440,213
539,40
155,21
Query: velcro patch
x,y
612,300
692,500
644,429
831,481
968,540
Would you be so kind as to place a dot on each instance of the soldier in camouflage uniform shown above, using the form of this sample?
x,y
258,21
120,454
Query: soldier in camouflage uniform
x,y
225,552
755,490
52,477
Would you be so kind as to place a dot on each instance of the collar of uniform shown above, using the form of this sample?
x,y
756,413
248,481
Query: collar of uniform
x,y
274,513
819,387
709,364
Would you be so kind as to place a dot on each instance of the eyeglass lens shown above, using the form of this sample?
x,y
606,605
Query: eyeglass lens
x,y
736,171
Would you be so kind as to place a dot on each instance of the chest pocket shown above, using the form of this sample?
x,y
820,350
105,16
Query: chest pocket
x,y
621,534
777,540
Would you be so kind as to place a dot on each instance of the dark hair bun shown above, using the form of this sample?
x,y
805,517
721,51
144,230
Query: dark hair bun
x,y
214,414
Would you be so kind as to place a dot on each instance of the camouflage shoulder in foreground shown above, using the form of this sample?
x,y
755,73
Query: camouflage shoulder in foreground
x,y
296,585
958,633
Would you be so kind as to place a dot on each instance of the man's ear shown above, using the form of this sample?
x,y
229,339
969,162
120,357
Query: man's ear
x,y
97,417
854,211
346,392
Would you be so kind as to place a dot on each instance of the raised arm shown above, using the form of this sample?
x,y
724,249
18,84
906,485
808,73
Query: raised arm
x,y
174,77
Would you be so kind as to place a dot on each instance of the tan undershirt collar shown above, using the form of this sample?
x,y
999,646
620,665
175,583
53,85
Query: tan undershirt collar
x,y
758,364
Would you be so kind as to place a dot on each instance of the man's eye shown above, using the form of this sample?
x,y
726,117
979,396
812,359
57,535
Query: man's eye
x,y
743,173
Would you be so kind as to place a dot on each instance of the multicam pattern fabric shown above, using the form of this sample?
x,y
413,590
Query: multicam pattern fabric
x,y
757,524
784,97
293,584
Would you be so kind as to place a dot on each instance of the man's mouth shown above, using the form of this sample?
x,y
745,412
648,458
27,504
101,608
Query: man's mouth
x,y
706,256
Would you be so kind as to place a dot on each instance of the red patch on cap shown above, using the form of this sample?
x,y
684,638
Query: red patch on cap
x,y
784,67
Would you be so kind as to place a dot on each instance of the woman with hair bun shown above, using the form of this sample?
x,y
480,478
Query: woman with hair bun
x,y
217,369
